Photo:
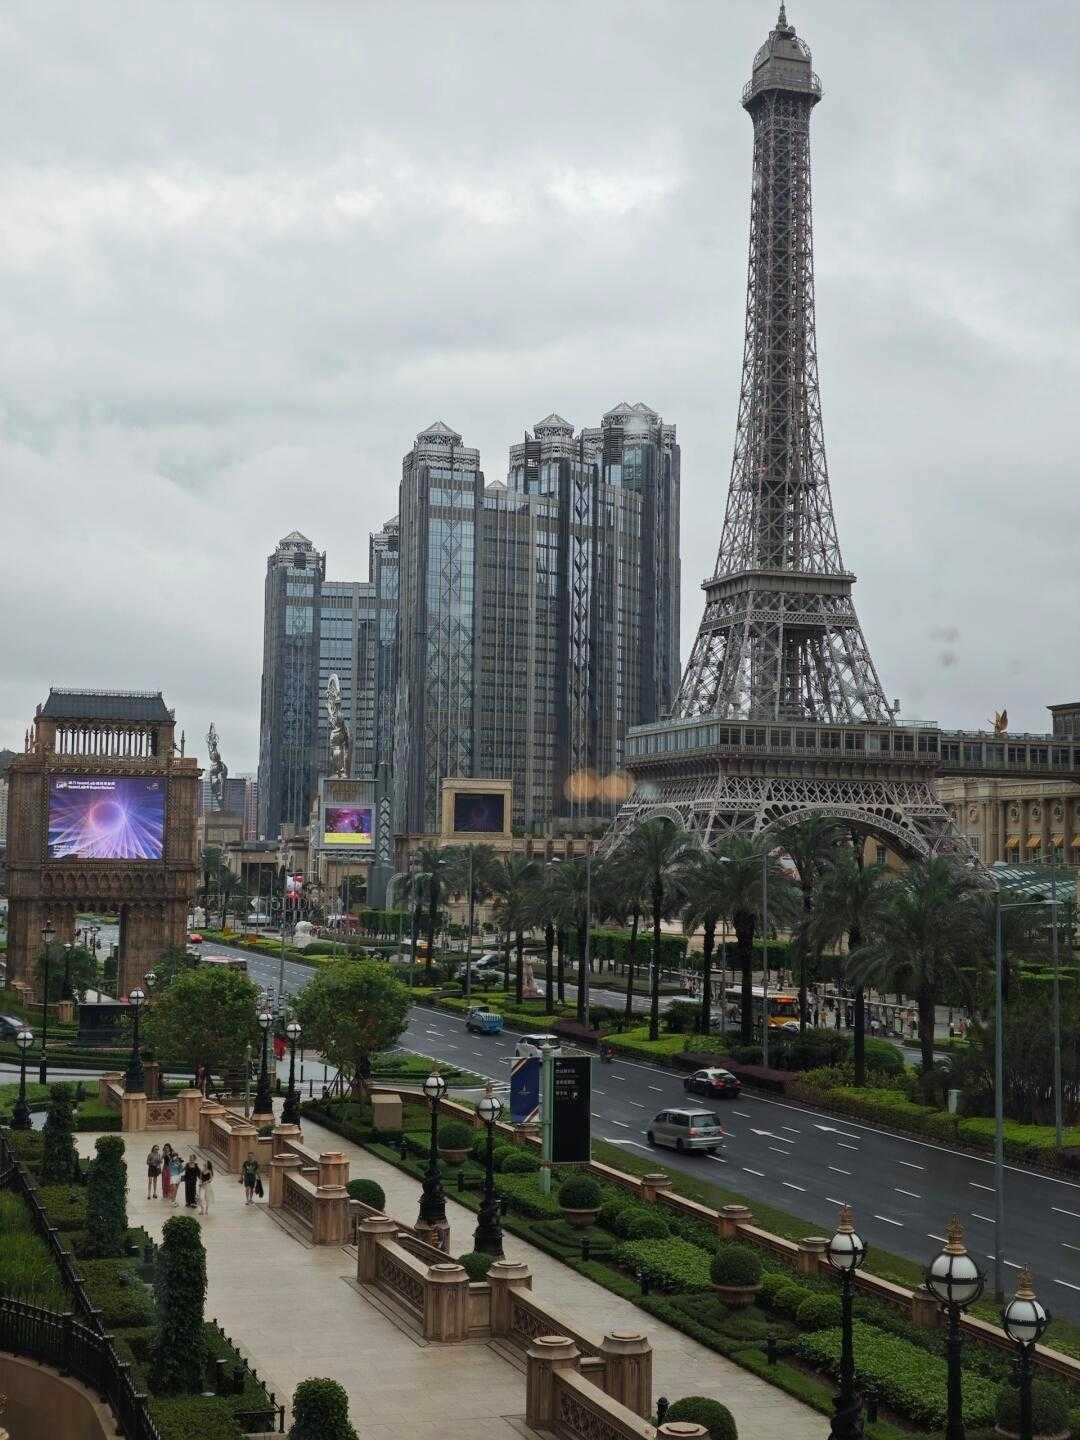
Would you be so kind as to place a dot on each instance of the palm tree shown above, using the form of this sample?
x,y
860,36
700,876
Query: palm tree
x,y
545,909
571,886
513,885
436,864
937,922
703,884
477,864
661,851
848,903
743,865
624,894
809,842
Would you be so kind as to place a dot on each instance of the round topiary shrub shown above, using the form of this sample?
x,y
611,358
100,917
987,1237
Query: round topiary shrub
x,y
321,1412
370,1192
579,1193
476,1264
736,1265
520,1162
478,1148
700,1410
178,1352
455,1135
1049,1411
818,1312
647,1226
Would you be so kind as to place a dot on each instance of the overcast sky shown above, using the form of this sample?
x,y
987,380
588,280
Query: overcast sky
x,y
248,250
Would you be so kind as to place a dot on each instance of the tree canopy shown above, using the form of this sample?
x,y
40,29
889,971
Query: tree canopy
x,y
204,1017
350,1010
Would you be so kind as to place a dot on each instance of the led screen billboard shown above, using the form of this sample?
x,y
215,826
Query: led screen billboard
x,y
106,817
347,825
479,810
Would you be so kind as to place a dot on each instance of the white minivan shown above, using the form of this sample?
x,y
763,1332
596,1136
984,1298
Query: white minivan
x,y
537,1044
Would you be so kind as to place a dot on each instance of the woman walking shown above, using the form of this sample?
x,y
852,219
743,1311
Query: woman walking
x,y
206,1180
249,1174
191,1182
168,1187
153,1171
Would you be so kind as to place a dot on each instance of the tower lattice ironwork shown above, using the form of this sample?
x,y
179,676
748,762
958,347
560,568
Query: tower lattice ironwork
x,y
780,711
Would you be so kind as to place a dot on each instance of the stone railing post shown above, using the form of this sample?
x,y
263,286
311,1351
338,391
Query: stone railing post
x,y
446,1302
132,1112
188,1103
104,1081
925,1311
330,1225
731,1217
628,1368
682,1430
370,1234
652,1185
505,1277
333,1169
209,1112
152,1072
545,1357
285,1136
278,1166
811,1254
242,1140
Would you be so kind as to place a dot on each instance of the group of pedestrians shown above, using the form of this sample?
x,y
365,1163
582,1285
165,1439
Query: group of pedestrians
x,y
195,1177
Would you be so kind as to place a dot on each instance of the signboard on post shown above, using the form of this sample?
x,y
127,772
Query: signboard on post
x,y
571,1097
525,1090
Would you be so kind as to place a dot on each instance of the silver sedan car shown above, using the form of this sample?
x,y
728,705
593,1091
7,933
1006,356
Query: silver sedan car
x,y
685,1130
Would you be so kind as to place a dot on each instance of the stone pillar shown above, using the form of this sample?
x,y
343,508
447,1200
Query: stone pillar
x,y
188,1105
731,1217
925,1311
682,1430
241,1144
65,1011
653,1185
278,1166
285,1136
333,1168
628,1360
446,1302
330,1225
103,1087
133,1112
264,1148
544,1358
504,1277
208,1111
811,1254
437,1235
152,1072
370,1234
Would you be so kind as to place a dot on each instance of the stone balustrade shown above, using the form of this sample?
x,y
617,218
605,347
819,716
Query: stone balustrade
x,y
559,1398
138,1111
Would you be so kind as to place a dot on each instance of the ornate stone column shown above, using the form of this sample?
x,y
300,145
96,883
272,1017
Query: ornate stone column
x,y
682,1430
210,1110
370,1234
446,1302
333,1168
242,1140
811,1254
278,1166
504,1277
188,1105
545,1357
653,1185
628,1366
132,1112
330,1225
731,1217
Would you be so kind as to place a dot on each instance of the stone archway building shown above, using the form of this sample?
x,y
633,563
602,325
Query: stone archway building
x,y
101,817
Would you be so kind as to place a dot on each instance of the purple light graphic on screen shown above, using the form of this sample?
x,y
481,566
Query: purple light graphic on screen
x,y
95,817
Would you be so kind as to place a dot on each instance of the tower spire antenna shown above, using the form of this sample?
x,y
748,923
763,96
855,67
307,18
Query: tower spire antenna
x,y
781,19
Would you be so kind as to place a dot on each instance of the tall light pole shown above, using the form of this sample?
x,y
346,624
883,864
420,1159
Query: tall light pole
x,y
65,989
488,1236
264,1104
20,1119
135,1078
955,1281
468,936
47,933
290,1111
846,1252
764,952
432,1196
1024,1321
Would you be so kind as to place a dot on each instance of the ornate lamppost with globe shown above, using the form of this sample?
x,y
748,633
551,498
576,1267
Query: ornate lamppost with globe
x,y
65,989
290,1111
20,1118
432,1196
264,1105
1024,1321
47,933
488,1236
846,1252
955,1281
135,1079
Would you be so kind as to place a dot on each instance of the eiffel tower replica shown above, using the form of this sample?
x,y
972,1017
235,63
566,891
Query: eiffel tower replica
x,y
780,712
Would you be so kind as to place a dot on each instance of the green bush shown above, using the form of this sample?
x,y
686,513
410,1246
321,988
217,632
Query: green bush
x,y
178,1355
478,1148
818,1312
612,1208
27,1269
65,1205
700,1410
580,1192
647,1225
59,1157
113,1286
525,1195
477,1264
735,1265
455,1135
671,1264
321,1412
520,1162
787,1298
370,1192
195,1417
1049,1410
106,1199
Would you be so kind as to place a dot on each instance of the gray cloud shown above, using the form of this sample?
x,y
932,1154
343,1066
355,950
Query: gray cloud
x,y
247,252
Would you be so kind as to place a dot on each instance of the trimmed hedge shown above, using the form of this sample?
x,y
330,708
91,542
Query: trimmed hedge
x,y
455,1135
736,1265
1049,1412
370,1192
204,1416
580,1192
66,1205
106,1199
178,1354
477,1264
524,1194
699,1409
670,1264
321,1411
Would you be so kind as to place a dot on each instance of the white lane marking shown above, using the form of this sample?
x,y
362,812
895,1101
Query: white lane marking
x,y
450,1047
939,1238
833,1200
1012,1264
846,1147
619,1077
1070,1247
595,1116
658,1088
835,1130
745,1114
759,1173
907,1192
779,1151
790,1186
898,1223
768,1134
717,1159
618,1140
1068,1284
839,1171
910,1164
477,1052
598,1092
1059,1210
976,1216
976,1186
623,1123
637,1104
791,1128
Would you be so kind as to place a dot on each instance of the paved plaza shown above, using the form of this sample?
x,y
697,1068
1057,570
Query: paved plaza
x,y
293,1310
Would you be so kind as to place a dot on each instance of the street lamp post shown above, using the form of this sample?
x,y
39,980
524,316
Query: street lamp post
x,y
65,992
290,1111
1024,1321
846,1252
488,1236
433,1197
47,933
135,1079
955,1281
264,1105
20,1119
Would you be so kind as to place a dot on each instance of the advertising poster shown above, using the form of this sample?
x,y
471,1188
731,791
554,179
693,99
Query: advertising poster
x,y
106,817
572,1092
525,1090
347,825
478,811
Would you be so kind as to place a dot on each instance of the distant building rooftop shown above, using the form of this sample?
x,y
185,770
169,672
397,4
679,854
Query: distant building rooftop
x,y
107,705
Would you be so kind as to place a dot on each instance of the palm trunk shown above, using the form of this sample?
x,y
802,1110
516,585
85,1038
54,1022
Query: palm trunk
x,y
926,1027
632,953
519,979
859,1040
707,947
743,921
654,1006
549,968
804,944
417,910
581,977
432,916
506,962
560,941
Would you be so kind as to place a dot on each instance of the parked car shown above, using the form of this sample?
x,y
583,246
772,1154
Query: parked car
x,y
684,1130
713,1082
10,1025
483,1022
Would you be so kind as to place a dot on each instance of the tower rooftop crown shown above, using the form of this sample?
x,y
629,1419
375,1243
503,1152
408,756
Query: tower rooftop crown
x,y
782,63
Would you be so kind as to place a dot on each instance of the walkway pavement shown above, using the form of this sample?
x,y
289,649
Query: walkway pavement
x,y
293,1311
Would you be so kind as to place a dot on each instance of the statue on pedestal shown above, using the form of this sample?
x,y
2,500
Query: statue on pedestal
x,y
219,771
340,739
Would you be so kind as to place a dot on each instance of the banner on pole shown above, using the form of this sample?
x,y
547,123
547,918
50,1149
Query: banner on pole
x,y
571,1105
525,1090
